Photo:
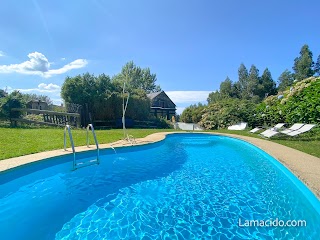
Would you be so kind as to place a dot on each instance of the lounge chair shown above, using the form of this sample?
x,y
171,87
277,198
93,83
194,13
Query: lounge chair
x,y
278,126
303,129
256,129
269,133
239,126
294,127
272,131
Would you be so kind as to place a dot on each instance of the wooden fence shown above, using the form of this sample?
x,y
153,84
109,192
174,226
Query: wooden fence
x,y
49,117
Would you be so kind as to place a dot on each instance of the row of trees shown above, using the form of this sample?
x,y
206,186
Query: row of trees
x,y
103,95
235,100
18,100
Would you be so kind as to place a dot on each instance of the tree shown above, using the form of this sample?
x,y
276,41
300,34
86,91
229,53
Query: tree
x,y
226,87
285,80
253,82
136,78
3,93
267,85
13,100
214,97
27,97
236,90
192,114
243,79
317,66
303,64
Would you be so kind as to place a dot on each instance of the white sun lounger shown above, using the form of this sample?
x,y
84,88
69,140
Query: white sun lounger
x,y
303,129
269,133
256,129
278,126
272,131
239,126
294,127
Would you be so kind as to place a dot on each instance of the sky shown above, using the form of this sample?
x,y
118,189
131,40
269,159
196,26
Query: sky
x,y
192,46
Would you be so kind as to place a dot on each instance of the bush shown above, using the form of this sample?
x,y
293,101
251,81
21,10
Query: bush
x,y
13,100
226,112
299,104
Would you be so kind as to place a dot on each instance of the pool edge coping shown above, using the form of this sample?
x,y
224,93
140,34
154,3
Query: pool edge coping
x,y
306,170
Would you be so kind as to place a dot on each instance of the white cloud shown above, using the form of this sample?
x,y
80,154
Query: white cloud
x,y
39,65
2,54
49,86
43,88
188,96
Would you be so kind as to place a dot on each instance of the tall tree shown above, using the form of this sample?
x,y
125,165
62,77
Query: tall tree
x,y
226,87
317,66
303,64
243,79
267,85
214,97
253,82
3,93
285,80
236,90
136,78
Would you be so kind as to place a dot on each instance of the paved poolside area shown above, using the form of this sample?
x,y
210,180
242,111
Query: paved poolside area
x,y
304,166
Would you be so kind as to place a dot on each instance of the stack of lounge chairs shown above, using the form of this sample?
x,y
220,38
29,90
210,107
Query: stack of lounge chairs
x,y
294,130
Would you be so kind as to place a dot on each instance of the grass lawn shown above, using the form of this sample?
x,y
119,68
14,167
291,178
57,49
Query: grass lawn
x,y
22,141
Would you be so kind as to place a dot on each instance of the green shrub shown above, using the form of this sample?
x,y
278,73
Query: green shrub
x,y
226,112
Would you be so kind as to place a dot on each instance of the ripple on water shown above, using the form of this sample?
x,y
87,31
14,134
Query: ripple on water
x,y
202,199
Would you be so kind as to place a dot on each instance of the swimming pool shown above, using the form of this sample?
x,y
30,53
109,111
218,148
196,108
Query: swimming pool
x,y
187,186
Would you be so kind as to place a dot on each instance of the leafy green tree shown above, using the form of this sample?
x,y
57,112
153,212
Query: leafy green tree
x,y
103,97
3,93
236,90
285,80
317,66
253,82
226,87
303,64
13,100
243,80
193,113
27,97
136,78
267,85
214,97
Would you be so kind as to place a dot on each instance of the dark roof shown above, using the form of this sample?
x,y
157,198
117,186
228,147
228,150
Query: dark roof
x,y
153,95
36,101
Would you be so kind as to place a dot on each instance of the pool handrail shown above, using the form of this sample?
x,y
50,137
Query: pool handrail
x,y
68,128
95,140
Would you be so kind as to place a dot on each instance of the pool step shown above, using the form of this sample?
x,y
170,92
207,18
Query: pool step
x,y
86,163
75,164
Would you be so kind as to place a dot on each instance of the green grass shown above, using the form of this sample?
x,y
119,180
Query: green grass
x,y
22,141
16,142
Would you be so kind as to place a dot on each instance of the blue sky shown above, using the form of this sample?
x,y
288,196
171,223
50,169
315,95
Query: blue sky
x,y
190,45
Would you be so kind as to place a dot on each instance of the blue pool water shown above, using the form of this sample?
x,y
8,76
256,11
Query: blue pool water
x,y
188,186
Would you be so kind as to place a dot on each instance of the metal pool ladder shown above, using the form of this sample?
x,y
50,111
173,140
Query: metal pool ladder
x,y
76,164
